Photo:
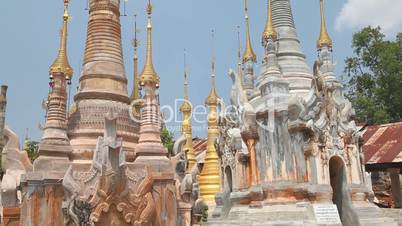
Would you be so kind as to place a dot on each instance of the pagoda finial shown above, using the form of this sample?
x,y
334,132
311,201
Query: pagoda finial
x,y
186,107
186,126
249,54
185,76
61,64
149,74
239,45
213,61
239,60
135,95
324,39
213,97
269,32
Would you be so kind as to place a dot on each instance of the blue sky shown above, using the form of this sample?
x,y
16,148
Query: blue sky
x,y
30,38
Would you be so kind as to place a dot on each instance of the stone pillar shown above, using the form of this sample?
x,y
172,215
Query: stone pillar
x,y
396,186
250,138
185,213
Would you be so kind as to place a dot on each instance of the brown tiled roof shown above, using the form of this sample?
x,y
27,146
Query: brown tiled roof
x,y
383,143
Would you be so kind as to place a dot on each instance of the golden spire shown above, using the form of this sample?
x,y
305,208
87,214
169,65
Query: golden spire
x,y
186,127
135,95
61,64
209,181
212,99
324,39
269,32
248,52
149,74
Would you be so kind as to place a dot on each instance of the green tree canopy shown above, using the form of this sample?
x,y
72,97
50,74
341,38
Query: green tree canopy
x,y
32,148
375,72
167,139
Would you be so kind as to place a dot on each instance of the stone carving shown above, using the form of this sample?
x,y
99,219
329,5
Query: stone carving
x,y
236,130
187,188
77,212
15,163
326,113
108,193
247,114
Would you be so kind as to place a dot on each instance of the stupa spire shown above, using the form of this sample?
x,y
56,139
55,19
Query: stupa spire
x,y
135,95
249,59
269,32
54,148
186,105
324,39
186,126
249,54
148,73
269,41
150,141
291,59
103,84
324,48
212,99
209,178
239,58
61,64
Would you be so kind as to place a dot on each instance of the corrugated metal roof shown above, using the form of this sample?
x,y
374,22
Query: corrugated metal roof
x,y
199,145
383,143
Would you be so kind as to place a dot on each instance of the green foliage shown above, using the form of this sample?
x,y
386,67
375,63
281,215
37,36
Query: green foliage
x,y
167,139
375,72
32,148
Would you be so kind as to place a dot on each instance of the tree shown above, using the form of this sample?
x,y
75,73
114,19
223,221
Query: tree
x,y
375,72
167,139
32,148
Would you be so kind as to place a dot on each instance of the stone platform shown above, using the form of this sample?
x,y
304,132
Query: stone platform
x,y
300,214
294,214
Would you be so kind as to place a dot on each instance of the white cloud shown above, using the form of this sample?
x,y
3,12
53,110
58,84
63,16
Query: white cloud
x,y
356,14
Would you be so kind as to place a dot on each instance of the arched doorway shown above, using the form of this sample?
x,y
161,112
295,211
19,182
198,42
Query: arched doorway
x,y
229,182
341,195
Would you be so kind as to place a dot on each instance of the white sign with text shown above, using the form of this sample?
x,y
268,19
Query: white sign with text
x,y
326,214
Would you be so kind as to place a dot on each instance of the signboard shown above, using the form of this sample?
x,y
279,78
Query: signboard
x,y
326,214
